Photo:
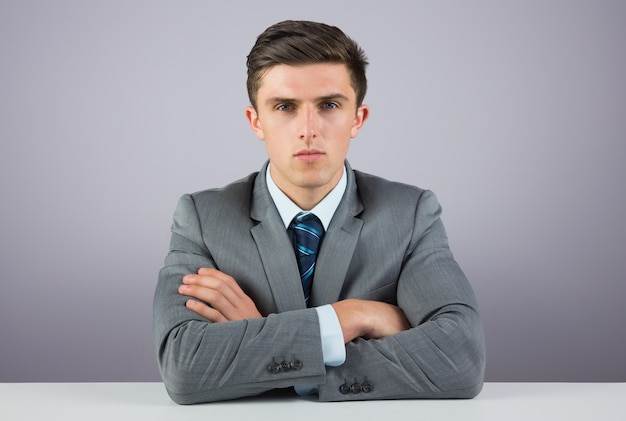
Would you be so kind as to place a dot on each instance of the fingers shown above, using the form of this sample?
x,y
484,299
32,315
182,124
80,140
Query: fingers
x,y
205,311
369,319
216,288
217,295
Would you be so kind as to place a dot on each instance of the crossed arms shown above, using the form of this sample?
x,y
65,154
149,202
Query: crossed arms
x,y
218,298
215,335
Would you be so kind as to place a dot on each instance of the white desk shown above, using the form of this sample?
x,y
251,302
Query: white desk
x,y
149,402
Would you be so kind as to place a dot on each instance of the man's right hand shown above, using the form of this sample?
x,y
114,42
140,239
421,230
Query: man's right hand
x,y
369,319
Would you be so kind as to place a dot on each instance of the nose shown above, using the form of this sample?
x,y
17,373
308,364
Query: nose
x,y
308,123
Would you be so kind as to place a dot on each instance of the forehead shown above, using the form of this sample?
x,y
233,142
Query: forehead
x,y
306,81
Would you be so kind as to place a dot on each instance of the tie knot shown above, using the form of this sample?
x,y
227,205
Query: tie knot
x,y
308,223
305,216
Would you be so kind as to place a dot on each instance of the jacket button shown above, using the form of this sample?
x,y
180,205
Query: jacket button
x,y
285,365
296,364
367,387
355,388
344,389
273,368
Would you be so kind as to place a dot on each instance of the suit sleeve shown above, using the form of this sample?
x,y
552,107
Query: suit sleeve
x,y
202,361
443,354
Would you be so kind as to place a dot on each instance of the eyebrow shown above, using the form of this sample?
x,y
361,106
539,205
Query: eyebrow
x,y
277,100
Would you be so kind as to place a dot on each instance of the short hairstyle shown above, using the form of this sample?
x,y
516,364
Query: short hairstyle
x,y
303,42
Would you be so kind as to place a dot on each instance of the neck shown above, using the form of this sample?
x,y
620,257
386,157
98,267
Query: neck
x,y
308,200
306,197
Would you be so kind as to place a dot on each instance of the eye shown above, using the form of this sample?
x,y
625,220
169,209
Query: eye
x,y
284,107
329,105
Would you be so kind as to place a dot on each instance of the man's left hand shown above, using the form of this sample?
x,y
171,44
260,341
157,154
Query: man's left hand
x,y
226,300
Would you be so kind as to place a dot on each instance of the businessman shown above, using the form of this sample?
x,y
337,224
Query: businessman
x,y
310,276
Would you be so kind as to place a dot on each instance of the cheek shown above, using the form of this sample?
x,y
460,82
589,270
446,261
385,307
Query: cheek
x,y
275,147
348,128
336,124
278,129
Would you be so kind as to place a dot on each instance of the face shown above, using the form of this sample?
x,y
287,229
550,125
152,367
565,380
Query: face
x,y
306,115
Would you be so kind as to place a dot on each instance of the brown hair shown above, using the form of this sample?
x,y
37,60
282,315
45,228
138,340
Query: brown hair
x,y
304,42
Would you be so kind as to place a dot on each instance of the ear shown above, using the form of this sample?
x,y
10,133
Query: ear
x,y
255,123
362,113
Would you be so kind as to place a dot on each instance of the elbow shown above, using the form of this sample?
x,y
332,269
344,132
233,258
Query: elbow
x,y
180,382
181,398
469,383
179,389
196,368
185,387
185,399
469,373
462,373
185,381
478,375
461,382
473,391
188,375
464,381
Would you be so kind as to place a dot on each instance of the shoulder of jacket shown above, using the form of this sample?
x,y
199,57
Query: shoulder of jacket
x,y
228,201
237,188
373,184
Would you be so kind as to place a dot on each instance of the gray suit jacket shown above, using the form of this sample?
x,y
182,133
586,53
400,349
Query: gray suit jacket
x,y
385,242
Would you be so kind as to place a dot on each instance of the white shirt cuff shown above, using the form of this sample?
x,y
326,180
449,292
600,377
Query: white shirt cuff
x,y
333,348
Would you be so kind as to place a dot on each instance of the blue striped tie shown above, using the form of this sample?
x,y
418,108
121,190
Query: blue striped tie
x,y
308,231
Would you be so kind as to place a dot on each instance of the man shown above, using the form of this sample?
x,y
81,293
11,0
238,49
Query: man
x,y
309,275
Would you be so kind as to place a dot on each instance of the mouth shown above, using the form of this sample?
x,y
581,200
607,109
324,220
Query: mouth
x,y
309,155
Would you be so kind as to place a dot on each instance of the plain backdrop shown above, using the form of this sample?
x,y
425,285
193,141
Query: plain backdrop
x,y
513,113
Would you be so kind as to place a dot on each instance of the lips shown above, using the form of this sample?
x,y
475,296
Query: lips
x,y
309,154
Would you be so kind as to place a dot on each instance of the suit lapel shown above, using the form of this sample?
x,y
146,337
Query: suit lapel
x,y
275,249
338,246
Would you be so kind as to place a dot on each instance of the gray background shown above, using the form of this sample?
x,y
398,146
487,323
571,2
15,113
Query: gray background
x,y
514,113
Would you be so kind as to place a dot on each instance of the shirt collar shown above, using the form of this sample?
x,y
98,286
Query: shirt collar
x,y
324,210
